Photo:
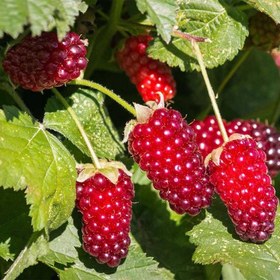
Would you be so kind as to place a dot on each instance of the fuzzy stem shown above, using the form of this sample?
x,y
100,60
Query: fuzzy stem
x,y
210,90
19,264
79,126
107,92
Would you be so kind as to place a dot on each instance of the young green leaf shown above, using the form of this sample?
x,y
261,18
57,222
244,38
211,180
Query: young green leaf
x,y
5,250
41,15
89,107
66,248
216,244
224,25
32,157
270,7
162,13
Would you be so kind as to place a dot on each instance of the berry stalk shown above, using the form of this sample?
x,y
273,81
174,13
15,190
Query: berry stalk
x,y
227,78
210,91
107,92
79,126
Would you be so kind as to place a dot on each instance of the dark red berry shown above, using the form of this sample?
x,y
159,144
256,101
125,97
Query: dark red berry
x,y
165,147
208,135
107,210
267,137
42,62
150,76
240,177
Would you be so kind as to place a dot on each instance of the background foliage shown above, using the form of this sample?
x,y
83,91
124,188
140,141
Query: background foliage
x,y
38,223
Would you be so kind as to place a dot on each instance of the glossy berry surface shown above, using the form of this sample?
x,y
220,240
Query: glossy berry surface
x,y
149,75
42,62
106,213
243,184
166,149
267,137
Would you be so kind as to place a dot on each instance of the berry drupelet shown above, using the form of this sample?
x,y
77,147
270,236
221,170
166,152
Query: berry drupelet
x,y
239,174
43,62
164,146
150,76
106,213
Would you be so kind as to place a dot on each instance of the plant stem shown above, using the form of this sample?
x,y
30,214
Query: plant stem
x,y
107,92
102,40
79,126
19,264
19,101
210,90
225,81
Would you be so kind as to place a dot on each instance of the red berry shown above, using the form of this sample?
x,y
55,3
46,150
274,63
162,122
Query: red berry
x,y
267,137
165,147
42,62
240,178
107,210
150,76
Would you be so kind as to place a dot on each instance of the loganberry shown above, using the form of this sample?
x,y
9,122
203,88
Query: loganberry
x,y
239,174
106,213
42,62
164,146
267,137
150,76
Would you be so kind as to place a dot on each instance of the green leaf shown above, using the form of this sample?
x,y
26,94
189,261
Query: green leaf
x,y
5,251
270,7
229,272
216,243
66,248
37,247
90,109
31,156
42,15
163,238
162,14
223,25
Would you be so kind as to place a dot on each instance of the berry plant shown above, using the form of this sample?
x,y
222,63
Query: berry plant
x,y
140,139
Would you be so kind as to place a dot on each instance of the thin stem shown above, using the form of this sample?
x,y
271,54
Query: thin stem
x,y
79,126
103,37
210,90
18,265
233,70
225,81
19,101
107,92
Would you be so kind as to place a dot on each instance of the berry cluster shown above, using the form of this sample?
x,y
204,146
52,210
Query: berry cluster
x,y
106,211
165,147
42,62
267,137
150,76
239,175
